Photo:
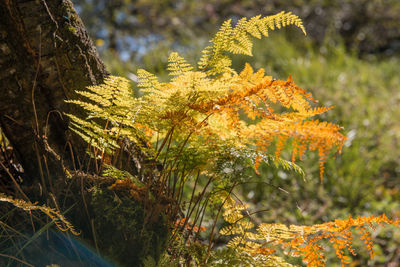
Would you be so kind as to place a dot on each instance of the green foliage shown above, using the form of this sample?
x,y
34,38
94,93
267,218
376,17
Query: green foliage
x,y
114,104
111,171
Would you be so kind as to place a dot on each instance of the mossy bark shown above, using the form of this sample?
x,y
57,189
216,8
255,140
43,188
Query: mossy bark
x,y
124,221
45,56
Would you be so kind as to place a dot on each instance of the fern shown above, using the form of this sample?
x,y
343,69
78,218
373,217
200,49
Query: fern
x,y
298,240
177,65
230,257
237,39
58,219
213,124
110,113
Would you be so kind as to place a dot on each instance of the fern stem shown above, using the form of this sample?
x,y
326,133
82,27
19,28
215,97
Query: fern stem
x,y
215,223
193,193
202,212
176,179
163,143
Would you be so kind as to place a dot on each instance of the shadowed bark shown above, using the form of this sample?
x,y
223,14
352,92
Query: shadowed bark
x,y
45,55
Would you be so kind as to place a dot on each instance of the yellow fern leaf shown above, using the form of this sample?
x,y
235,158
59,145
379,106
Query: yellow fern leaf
x,y
237,39
177,65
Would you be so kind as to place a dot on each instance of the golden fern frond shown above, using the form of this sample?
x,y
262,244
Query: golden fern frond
x,y
112,100
113,91
280,20
253,92
200,113
246,241
147,80
58,219
237,39
271,261
229,230
177,65
93,109
303,241
315,135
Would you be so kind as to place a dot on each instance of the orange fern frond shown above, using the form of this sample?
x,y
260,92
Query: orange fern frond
x,y
300,241
252,94
339,234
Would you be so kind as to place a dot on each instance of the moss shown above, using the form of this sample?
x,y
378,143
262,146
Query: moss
x,y
121,231
68,8
72,29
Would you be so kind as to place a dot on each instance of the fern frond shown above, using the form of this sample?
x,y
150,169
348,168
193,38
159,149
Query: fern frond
x,y
147,80
237,39
93,134
59,220
177,65
301,240
284,164
111,112
197,116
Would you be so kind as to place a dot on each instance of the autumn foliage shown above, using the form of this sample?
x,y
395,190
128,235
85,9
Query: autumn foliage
x,y
299,241
207,126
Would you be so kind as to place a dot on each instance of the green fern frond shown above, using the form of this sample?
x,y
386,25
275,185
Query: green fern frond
x,y
111,171
111,112
285,164
93,134
271,160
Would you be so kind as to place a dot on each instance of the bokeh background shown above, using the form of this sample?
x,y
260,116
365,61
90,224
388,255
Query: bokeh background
x,y
350,58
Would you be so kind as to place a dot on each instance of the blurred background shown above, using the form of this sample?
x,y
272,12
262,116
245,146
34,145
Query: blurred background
x,y
350,58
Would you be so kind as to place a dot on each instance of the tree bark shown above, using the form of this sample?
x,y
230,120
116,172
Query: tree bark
x,y
45,56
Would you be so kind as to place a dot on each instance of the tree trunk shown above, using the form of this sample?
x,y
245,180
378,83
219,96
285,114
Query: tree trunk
x,y
45,56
